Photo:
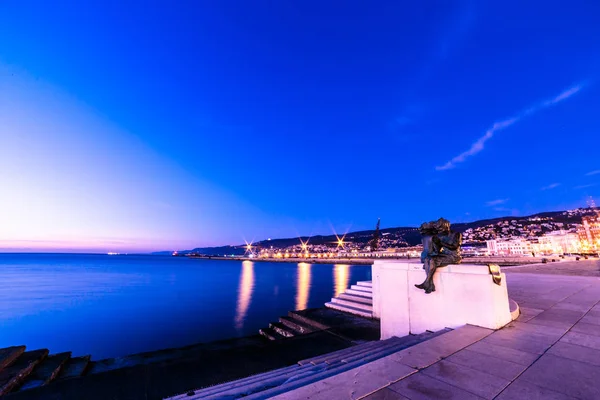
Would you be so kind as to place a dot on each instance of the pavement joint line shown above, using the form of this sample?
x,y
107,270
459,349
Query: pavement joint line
x,y
512,380
552,345
417,370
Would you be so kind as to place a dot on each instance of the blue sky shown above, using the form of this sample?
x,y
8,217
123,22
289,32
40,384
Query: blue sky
x,y
168,125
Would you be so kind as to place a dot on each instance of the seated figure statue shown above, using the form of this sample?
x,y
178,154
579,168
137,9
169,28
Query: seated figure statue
x,y
441,247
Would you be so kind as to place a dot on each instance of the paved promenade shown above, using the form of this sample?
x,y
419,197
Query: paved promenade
x,y
552,351
571,268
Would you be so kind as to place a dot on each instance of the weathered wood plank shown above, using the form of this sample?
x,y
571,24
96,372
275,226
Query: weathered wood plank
x,y
46,371
9,354
15,374
74,367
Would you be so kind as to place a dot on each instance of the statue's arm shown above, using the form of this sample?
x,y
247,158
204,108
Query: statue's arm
x,y
452,242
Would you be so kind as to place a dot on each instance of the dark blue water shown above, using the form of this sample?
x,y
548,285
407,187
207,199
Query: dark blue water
x,y
110,306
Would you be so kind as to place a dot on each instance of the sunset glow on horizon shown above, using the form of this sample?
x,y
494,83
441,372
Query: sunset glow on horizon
x,y
197,124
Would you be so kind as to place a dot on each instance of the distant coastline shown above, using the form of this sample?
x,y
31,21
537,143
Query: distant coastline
x,y
502,261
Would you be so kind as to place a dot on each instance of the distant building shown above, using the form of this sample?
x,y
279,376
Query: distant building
x,y
589,233
558,242
517,247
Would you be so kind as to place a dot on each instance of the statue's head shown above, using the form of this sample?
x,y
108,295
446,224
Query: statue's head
x,y
442,225
435,227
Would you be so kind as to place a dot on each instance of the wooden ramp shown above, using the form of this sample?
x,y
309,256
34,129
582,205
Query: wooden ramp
x,y
21,370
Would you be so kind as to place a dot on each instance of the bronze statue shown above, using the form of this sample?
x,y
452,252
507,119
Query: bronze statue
x,y
441,247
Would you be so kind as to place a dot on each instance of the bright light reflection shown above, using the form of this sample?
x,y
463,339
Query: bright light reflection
x,y
341,278
303,286
244,293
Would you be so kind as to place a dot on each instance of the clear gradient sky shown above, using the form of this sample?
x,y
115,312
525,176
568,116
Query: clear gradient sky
x,y
157,125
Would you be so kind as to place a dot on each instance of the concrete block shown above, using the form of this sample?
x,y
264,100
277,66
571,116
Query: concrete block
x,y
528,313
353,384
591,319
566,376
423,387
575,352
465,294
523,334
504,353
491,365
471,380
390,288
424,354
588,329
561,315
581,339
385,394
537,329
523,390
517,343
433,311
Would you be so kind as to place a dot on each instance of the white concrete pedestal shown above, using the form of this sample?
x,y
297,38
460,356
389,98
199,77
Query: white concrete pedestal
x,y
464,294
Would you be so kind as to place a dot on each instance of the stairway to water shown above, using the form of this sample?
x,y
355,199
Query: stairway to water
x,y
358,300
305,372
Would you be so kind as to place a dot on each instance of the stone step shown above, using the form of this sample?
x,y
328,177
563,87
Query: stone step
x,y
310,322
355,383
356,299
46,371
365,283
9,354
392,347
221,387
271,383
236,389
362,289
298,327
349,310
12,376
349,303
338,368
359,293
384,346
270,334
281,329
332,370
74,367
342,353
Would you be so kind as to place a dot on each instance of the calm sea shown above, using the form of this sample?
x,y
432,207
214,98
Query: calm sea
x,y
110,306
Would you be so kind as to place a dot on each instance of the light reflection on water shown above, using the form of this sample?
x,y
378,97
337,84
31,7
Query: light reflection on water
x,y
303,292
110,306
244,293
341,278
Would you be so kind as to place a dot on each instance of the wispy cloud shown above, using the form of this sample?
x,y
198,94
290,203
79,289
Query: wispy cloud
x,y
512,211
551,186
496,202
596,172
498,126
585,186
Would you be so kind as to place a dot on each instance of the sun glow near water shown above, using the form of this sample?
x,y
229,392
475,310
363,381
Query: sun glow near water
x,y
75,182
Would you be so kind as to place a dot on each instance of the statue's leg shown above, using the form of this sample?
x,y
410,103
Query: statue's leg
x,y
428,284
426,267
438,262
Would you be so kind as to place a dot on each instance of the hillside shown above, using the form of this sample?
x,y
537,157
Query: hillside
x,y
474,233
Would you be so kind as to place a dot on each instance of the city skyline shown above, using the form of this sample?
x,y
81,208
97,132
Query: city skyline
x,y
135,129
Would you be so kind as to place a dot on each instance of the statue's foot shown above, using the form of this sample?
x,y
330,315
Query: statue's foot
x,y
430,289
